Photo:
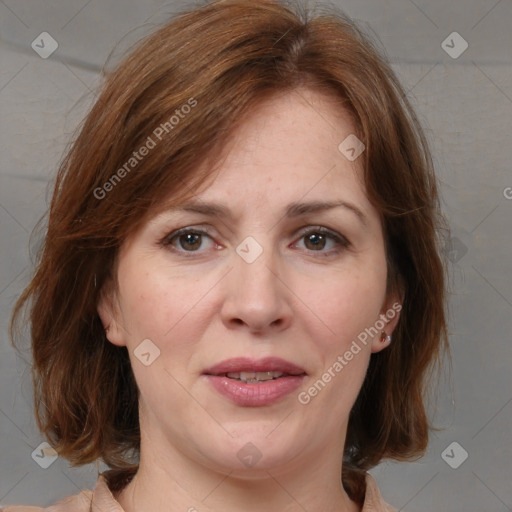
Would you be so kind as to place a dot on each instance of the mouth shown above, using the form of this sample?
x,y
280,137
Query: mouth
x,y
255,376
252,383
252,370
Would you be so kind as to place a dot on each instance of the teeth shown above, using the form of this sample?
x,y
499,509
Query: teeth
x,y
255,376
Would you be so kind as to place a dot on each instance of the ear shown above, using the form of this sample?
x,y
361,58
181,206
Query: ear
x,y
109,314
389,316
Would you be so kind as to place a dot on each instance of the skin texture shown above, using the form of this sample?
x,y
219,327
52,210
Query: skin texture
x,y
202,303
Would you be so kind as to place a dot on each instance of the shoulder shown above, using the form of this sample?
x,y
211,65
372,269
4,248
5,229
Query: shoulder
x,y
101,496
373,501
78,503
21,509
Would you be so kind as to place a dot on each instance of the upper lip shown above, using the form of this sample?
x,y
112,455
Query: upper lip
x,y
245,364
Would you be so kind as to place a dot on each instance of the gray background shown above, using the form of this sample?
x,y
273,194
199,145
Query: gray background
x,y
465,104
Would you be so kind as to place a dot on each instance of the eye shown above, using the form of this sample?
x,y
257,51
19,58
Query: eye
x,y
190,240
186,239
317,238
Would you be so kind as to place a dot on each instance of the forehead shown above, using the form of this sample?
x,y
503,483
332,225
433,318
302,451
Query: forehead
x,y
287,147
281,162
295,127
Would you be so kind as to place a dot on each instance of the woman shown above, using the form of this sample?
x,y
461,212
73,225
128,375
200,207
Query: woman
x,y
240,295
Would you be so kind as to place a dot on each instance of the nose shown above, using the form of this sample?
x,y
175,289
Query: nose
x,y
257,298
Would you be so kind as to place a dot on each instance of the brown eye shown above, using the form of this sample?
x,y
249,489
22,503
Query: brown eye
x,y
315,241
318,239
190,241
186,240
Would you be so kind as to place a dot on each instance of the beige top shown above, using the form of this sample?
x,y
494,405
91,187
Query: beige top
x,y
104,501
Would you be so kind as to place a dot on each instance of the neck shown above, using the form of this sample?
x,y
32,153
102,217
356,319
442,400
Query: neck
x,y
168,481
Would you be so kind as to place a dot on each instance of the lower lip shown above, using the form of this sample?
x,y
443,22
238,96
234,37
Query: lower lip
x,y
254,394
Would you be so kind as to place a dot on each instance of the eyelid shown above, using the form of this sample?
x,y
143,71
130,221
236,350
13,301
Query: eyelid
x,y
340,239
166,240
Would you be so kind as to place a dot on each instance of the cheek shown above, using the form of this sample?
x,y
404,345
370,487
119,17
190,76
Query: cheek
x,y
158,304
350,301
348,307
156,299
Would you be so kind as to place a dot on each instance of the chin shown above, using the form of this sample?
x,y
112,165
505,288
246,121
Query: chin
x,y
252,454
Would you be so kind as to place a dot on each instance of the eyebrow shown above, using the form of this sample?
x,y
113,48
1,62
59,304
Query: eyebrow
x,y
293,210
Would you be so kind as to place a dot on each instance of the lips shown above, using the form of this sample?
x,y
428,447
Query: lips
x,y
246,365
255,382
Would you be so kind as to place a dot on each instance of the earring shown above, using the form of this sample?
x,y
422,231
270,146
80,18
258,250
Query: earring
x,y
385,337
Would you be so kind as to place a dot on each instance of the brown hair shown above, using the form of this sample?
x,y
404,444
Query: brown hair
x,y
219,61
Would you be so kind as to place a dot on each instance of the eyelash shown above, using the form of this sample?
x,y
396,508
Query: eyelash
x,y
341,241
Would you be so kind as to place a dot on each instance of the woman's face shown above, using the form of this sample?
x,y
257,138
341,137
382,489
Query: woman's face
x,y
275,274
